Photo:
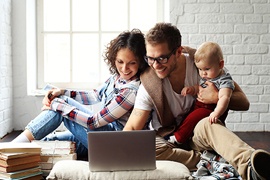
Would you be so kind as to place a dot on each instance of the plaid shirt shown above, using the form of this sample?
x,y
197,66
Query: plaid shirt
x,y
116,95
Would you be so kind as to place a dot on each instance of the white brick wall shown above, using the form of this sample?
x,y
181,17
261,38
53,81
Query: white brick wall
x,y
242,29
5,68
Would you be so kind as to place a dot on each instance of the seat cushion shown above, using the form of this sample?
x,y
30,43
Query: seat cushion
x,y
74,169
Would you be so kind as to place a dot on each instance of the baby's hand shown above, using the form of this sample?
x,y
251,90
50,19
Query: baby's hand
x,y
187,90
213,118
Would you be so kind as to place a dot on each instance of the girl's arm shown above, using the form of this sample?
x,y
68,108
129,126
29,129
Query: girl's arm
x,y
119,106
83,97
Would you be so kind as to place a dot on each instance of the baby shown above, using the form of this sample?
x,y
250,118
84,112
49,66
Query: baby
x,y
210,63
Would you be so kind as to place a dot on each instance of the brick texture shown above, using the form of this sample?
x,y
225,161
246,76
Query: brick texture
x,y
242,30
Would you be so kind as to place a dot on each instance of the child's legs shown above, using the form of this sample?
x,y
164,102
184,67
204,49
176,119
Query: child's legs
x,y
185,131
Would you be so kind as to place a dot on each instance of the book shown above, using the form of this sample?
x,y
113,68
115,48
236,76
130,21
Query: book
x,y
22,173
19,167
11,147
16,155
12,159
35,176
46,165
49,87
56,147
48,161
54,151
57,157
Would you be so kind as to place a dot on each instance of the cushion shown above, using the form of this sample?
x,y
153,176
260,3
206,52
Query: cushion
x,y
74,169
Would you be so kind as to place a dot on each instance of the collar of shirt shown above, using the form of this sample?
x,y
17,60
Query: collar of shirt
x,y
122,81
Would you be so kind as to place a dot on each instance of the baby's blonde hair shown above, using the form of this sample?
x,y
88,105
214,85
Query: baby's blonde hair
x,y
209,51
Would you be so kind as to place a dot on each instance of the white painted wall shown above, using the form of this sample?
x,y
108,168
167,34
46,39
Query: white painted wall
x,y
241,27
5,68
24,49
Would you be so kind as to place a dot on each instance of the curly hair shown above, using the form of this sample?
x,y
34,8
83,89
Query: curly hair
x,y
134,41
164,33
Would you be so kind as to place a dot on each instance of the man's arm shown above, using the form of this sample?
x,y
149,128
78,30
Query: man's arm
x,y
239,101
209,95
137,120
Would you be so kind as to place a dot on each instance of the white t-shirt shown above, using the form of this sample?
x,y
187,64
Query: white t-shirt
x,y
180,105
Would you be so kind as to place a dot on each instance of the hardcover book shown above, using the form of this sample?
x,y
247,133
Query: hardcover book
x,y
19,167
56,147
21,174
11,147
12,159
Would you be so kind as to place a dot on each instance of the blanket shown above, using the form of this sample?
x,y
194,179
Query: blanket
x,y
214,167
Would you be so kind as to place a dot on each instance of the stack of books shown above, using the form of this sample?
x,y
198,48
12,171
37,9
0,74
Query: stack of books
x,y
20,161
54,151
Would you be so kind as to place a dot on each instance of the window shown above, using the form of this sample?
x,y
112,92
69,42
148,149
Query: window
x,y
72,35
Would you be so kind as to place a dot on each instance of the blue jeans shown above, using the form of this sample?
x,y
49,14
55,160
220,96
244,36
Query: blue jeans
x,y
47,121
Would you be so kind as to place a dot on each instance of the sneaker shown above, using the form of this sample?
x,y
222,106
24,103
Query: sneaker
x,y
259,165
173,140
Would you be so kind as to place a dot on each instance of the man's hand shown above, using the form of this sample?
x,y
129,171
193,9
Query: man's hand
x,y
208,95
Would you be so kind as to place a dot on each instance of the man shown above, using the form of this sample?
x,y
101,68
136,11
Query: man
x,y
159,98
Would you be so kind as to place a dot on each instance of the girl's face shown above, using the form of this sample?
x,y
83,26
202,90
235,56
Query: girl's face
x,y
126,63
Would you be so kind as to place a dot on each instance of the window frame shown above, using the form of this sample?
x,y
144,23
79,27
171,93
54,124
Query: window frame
x,y
162,16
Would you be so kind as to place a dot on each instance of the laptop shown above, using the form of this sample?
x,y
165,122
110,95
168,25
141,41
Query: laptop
x,y
122,150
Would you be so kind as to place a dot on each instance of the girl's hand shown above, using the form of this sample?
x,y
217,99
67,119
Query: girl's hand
x,y
50,95
46,108
47,98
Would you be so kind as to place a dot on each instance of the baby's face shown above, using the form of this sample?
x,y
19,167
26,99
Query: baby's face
x,y
208,70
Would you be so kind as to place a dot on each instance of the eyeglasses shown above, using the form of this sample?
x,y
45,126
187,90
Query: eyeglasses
x,y
162,59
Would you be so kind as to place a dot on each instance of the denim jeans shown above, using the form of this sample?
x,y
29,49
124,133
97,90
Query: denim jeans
x,y
47,121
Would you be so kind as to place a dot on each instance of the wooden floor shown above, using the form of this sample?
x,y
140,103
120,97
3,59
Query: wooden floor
x,y
9,137
257,140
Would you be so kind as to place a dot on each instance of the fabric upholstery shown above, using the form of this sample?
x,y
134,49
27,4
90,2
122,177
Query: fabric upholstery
x,y
79,170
